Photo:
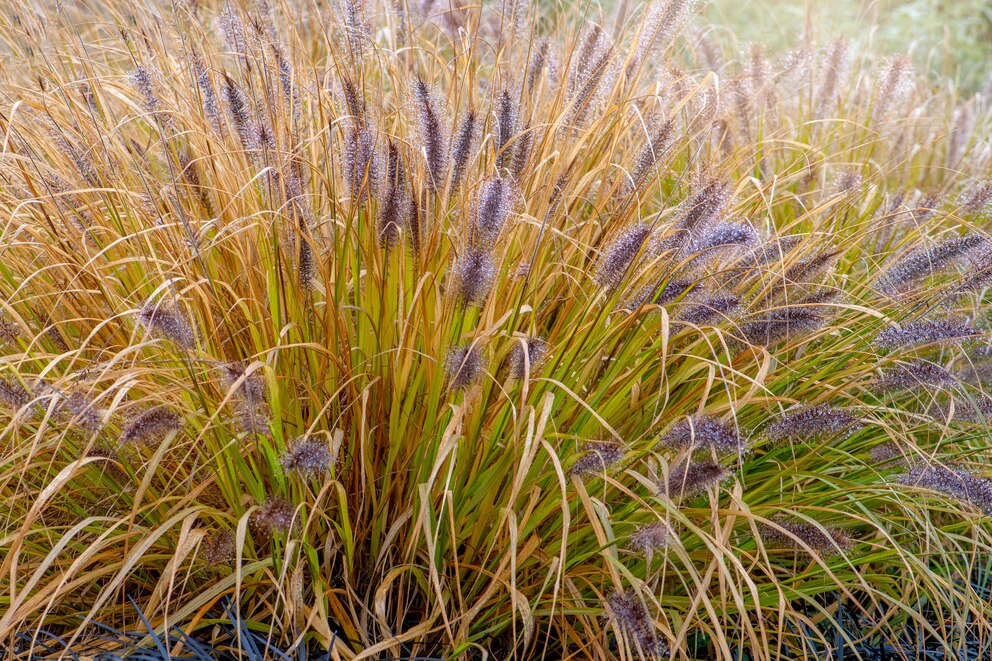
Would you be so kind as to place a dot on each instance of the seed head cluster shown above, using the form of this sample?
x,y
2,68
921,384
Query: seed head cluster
x,y
634,621
811,423
703,433
929,331
151,426
805,536
307,457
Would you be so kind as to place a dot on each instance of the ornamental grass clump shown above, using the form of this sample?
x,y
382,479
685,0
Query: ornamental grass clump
x,y
427,327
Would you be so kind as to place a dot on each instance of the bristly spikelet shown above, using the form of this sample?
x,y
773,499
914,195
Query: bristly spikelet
x,y
143,80
357,29
527,361
703,432
976,200
652,536
232,29
464,366
924,262
82,411
307,457
722,237
956,483
431,132
804,424
784,324
705,206
13,394
617,257
394,200
543,63
634,621
218,548
275,516
249,399
929,331
9,332
474,273
689,479
463,147
167,322
492,208
661,24
505,116
918,374
833,76
598,457
656,148
894,83
708,310
805,536
361,164
152,426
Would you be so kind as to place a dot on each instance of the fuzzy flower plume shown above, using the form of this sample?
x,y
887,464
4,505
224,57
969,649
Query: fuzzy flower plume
x,y
689,479
168,323
152,426
493,206
598,458
811,423
13,394
917,374
307,457
619,255
275,516
926,262
709,310
782,325
464,366
522,361
701,433
218,548
431,132
633,619
957,483
474,273
652,536
805,536
916,333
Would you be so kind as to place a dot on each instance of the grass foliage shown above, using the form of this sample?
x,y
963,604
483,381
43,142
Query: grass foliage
x,y
437,329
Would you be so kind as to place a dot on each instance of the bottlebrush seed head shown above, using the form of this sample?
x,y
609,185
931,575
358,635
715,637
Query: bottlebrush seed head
x,y
811,423
918,374
703,432
651,537
523,361
957,483
493,207
218,548
633,619
307,457
464,366
167,323
799,535
474,273
275,516
618,255
152,426
924,332
689,479
598,457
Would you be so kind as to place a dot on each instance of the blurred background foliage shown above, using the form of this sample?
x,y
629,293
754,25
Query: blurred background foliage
x,y
950,38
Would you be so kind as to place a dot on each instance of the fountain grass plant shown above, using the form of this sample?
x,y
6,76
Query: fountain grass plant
x,y
443,329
